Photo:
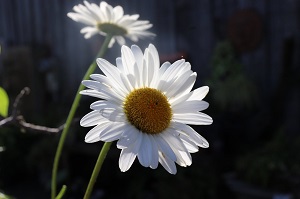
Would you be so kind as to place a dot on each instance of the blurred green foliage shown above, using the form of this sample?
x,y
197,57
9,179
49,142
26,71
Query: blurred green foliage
x,y
3,196
275,166
4,102
230,88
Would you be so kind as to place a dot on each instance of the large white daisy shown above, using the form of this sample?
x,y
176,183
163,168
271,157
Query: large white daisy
x,y
147,108
105,19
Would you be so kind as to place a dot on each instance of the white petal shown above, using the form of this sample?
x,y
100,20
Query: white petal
x,y
199,93
132,80
102,104
138,55
90,34
163,68
178,100
190,106
126,159
112,132
167,163
154,159
120,64
137,73
111,43
193,135
127,84
101,78
94,93
128,138
91,119
127,59
164,147
92,84
190,145
118,12
193,118
121,41
106,91
93,134
154,53
91,11
81,18
109,12
145,152
89,30
112,73
183,156
114,115
128,155
173,70
186,86
182,84
149,63
103,5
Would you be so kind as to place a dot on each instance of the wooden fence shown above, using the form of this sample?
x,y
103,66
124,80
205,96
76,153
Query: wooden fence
x,y
193,27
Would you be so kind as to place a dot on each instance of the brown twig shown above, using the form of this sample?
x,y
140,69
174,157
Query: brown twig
x,y
6,120
18,120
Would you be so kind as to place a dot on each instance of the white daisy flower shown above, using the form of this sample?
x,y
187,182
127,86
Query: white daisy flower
x,y
105,19
147,108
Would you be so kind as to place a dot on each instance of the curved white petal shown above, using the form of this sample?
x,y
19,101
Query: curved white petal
x,y
183,157
190,106
167,163
112,132
91,119
113,114
199,93
93,134
102,104
193,135
129,154
188,143
193,118
128,138
94,93
145,152
164,147
154,153
138,55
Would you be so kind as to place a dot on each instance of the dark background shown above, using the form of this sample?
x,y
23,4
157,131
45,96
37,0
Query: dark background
x,y
247,51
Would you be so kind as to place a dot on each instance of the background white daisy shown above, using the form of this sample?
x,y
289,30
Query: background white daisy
x,y
105,19
147,108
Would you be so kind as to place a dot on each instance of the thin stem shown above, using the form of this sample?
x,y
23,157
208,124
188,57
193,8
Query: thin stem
x,y
97,169
62,192
71,115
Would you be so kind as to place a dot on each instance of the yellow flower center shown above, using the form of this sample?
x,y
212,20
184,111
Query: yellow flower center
x,y
148,110
110,28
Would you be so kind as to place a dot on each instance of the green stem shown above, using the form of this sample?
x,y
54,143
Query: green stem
x,y
97,169
62,192
71,115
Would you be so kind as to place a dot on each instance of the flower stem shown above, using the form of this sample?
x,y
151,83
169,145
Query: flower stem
x,y
97,169
62,192
71,115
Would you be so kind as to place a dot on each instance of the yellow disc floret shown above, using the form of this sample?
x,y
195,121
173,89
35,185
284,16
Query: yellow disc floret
x,y
148,110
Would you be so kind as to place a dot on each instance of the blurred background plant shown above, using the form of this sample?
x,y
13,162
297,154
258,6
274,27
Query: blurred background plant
x,y
274,166
230,88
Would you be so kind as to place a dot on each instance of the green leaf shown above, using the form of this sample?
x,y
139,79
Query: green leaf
x,y
3,196
4,102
